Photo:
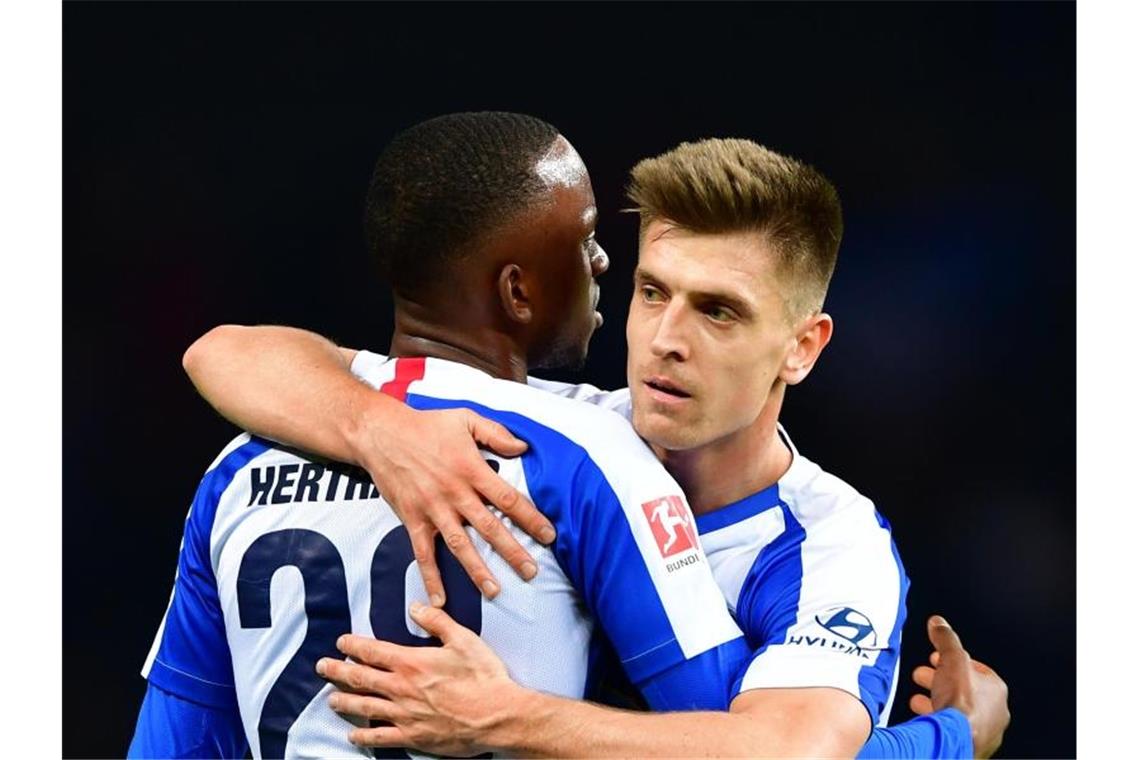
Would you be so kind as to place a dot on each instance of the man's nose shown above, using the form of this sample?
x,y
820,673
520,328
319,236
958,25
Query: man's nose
x,y
669,337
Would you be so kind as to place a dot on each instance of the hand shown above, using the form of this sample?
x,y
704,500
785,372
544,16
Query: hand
x,y
428,467
445,700
956,680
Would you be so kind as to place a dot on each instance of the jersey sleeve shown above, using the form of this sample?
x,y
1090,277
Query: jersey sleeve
x,y
190,657
942,734
825,607
172,727
369,367
627,542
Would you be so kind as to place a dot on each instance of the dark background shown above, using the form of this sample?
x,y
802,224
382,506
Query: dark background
x,y
216,156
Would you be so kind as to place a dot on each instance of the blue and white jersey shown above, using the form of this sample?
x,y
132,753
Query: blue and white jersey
x,y
282,554
810,572
812,575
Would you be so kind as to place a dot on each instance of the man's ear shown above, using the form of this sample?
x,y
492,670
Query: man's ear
x,y
811,337
515,294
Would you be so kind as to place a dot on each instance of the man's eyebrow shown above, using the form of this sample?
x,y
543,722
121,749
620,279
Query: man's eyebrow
x,y
733,301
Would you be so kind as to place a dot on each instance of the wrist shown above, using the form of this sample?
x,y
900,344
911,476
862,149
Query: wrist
x,y
515,725
368,416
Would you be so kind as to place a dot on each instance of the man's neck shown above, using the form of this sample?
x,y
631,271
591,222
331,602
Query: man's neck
x,y
480,347
727,470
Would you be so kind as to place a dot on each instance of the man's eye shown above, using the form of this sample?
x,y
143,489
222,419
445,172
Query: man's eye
x,y
719,314
652,295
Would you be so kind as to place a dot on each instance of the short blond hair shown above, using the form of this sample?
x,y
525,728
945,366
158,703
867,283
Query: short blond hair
x,y
730,186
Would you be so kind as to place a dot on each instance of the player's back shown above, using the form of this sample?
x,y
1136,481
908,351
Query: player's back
x,y
282,554
305,551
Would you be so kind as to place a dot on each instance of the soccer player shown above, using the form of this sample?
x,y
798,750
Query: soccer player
x,y
737,247
484,225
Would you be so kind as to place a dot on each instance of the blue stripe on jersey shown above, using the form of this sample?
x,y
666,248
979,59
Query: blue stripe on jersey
x,y
169,726
770,597
749,506
595,546
875,680
193,658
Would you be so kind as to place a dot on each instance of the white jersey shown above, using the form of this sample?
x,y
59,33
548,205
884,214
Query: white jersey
x,y
810,572
282,554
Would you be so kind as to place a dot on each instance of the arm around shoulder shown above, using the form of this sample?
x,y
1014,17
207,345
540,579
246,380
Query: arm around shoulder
x,y
285,384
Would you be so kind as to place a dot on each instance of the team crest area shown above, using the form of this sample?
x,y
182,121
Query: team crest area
x,y
672,529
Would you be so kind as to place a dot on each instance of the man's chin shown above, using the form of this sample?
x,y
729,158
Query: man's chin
x,y
661,434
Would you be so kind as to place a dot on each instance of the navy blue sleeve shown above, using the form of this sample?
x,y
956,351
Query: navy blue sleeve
x,y
171,727
191,657
942,734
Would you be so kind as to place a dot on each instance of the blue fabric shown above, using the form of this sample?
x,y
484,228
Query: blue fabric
x,y
942,734
875,680
596,549
698,683
770,596
730,514
169,726
193,658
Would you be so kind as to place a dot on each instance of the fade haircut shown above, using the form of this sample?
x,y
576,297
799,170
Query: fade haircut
x,y
441,186
736,186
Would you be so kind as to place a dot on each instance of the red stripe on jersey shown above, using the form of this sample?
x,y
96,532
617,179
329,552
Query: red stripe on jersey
x,y
407,371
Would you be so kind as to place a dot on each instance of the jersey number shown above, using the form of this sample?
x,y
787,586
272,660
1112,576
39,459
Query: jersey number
x,y
328,613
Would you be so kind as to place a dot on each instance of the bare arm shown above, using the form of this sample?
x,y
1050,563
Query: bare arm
x,y
459,699
295,387
287,385
820,722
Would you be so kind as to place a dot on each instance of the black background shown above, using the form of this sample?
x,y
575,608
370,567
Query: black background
x,y
216,156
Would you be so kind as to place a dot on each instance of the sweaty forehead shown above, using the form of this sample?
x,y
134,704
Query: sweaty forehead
x,y
561,166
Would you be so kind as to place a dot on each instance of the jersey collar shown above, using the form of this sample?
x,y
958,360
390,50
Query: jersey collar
x,y
755,503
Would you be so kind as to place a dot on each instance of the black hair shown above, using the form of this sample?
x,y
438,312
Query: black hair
x,y
443,184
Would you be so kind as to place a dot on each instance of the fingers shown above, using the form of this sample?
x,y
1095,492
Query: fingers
x,y
920,704
385,736
946,642
942,636
514,505
923,676
460,546
373,708
497,491
422,537
360,679
438,623
935,658
491,528
379,654
494,436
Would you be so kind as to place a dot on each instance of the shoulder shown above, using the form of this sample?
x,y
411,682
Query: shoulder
x,y
237,454
600,433
616,401
846,548
223,475
822,503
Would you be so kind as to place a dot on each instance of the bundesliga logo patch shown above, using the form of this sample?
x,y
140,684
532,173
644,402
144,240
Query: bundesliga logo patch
x,y
671,525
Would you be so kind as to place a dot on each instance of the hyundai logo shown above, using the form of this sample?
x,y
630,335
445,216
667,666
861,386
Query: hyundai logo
x,y
850,624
